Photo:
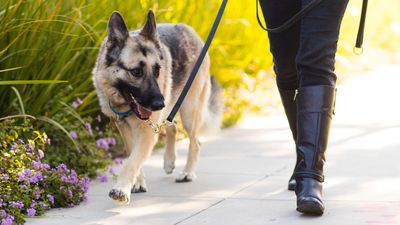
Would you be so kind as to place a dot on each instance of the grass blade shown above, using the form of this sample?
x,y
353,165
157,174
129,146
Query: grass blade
x,y
24,82
21,103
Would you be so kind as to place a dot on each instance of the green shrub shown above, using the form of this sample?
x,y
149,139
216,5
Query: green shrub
x,y
88,147
29,186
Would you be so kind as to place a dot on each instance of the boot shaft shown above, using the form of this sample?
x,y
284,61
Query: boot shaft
x,y
289,104
314,114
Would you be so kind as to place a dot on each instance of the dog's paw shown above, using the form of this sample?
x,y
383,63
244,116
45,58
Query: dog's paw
x,y
185,177
119,196
139,187
169,166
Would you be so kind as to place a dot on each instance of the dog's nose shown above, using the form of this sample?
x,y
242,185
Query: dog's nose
x,y
157,105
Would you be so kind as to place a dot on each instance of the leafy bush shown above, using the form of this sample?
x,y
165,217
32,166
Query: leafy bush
x,y
28,186
88,146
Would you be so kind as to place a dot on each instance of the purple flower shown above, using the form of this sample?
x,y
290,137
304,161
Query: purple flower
x,y
20,141
7,219
36,178
103,144
48,141
4,177
98,118
118,161
27,172
70,195
41,154
103,178
14,147
97,128
31,211
17,204
73,135
64,178
29,148
73,178
77,102
111,170
37,195
51,198
88,127
24,175
45,166
111,141
70,205
44,205
36,165
62,168
84,184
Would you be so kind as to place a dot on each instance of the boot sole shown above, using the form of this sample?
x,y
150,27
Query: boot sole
x,y
311,208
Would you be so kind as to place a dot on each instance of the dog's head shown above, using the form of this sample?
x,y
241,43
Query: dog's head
x,y
136,62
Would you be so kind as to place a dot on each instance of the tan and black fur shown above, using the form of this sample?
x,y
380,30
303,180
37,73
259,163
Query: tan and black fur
x,y
146,69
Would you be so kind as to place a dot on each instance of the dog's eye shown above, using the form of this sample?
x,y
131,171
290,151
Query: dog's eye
x,y
137,72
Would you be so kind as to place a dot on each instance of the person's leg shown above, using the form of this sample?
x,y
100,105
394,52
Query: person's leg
x,y
315,63
319,35
284,46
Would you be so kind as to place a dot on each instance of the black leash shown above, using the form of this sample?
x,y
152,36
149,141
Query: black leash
x,y
306,9
290,21
196,67
360,34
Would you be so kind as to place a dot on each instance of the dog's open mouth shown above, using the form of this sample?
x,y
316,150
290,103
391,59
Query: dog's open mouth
x,y
140,111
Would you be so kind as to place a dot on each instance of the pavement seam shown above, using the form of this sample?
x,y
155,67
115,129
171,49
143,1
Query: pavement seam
x,y
199,212
224,199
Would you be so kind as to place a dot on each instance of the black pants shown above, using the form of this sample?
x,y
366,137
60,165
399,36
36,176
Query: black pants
x,y
304,55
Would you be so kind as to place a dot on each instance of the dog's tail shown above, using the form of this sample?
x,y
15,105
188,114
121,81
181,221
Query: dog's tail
x,y
213,111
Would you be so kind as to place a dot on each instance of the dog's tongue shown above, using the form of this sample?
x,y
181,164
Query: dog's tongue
x,y
144,113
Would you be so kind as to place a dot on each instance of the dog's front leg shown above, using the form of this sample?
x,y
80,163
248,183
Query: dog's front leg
x,y
141,149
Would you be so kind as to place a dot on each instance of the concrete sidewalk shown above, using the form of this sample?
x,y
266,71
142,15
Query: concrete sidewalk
x,y
243,172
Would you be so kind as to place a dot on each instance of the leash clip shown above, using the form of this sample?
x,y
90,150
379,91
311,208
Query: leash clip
x,y
157,127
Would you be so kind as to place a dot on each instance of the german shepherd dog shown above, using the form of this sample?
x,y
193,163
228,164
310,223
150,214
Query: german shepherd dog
x,y
144,72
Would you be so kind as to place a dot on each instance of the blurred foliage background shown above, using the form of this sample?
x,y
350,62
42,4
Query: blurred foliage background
x,y
46,40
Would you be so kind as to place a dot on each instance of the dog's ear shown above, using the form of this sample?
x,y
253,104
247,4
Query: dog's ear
x,y
117,30
149,30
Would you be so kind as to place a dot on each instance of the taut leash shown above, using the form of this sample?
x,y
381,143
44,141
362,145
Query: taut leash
x,y
196,67
170,119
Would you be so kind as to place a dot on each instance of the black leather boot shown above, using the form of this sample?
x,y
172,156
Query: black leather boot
x,y
289,104
314,113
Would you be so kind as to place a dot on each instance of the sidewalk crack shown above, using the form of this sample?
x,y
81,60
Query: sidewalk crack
x,y
199,212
